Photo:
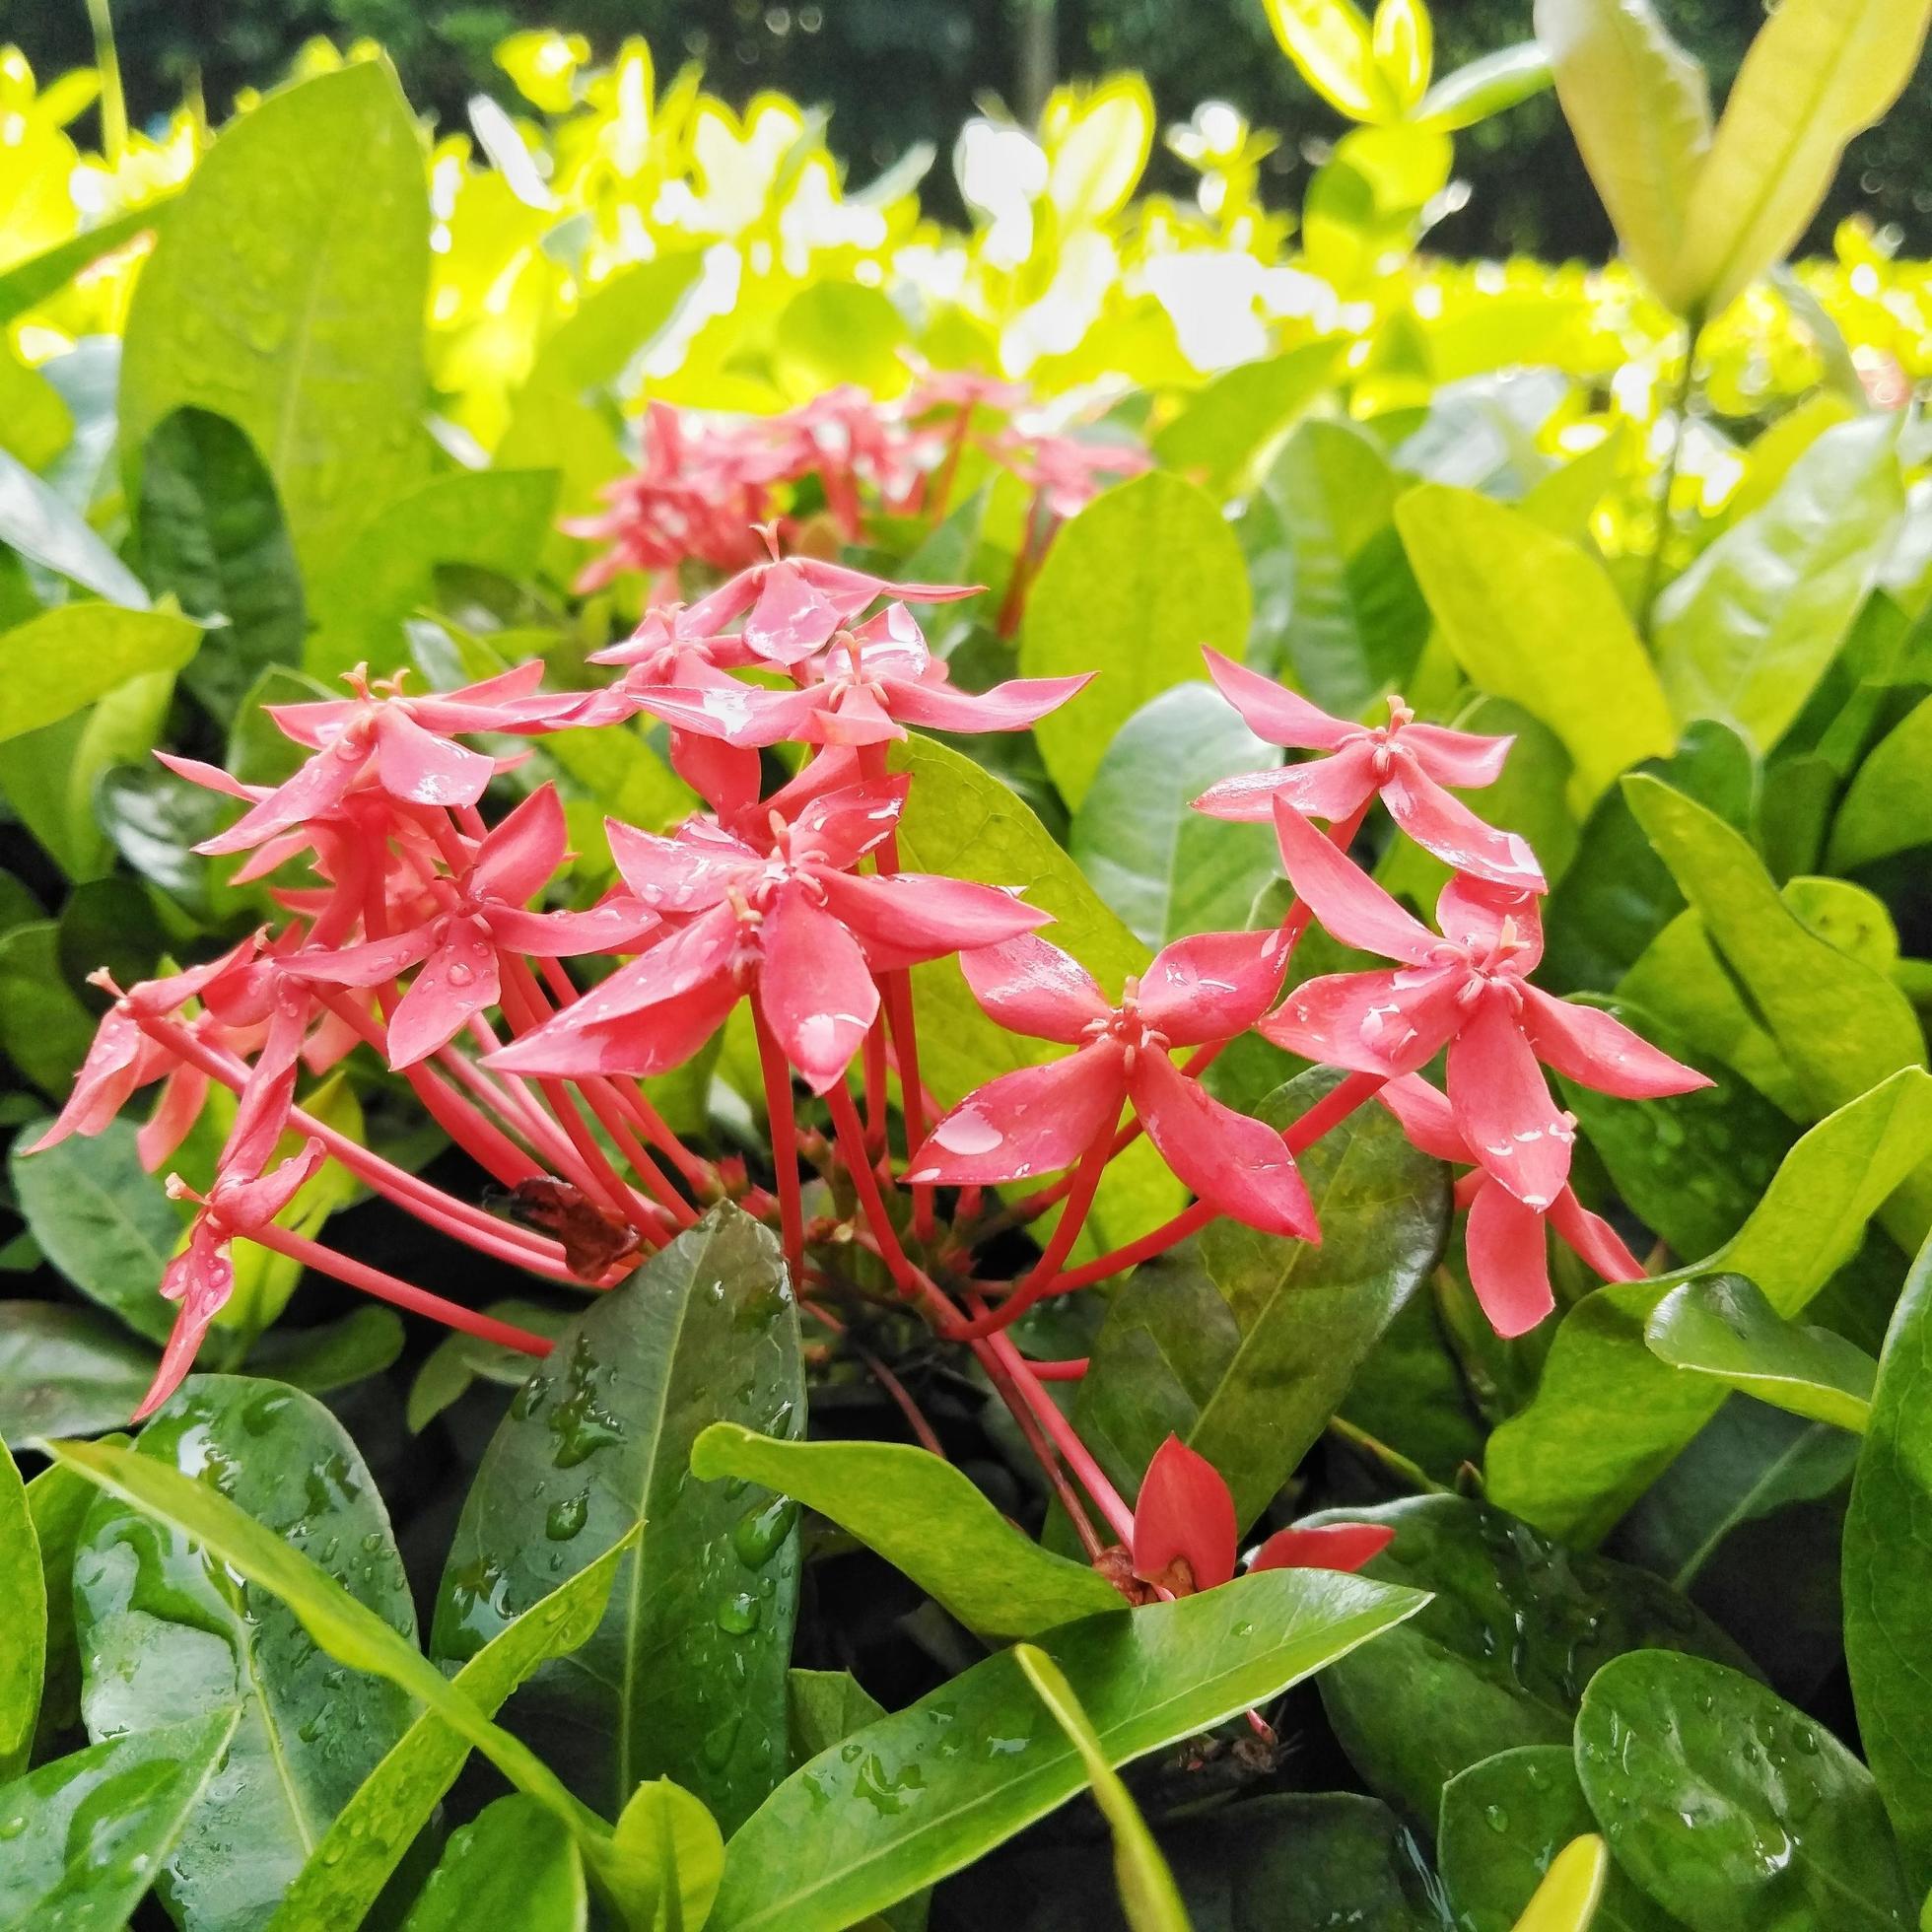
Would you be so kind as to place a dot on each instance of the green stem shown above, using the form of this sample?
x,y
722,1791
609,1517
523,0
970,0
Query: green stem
x,y
1680,417
113,101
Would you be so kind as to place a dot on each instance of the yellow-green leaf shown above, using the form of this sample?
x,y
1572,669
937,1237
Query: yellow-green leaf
x,y
66,658
1566,1900
1332,45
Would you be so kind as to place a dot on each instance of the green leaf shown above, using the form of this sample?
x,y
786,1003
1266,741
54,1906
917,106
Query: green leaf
x,y
839,332
686,1674
58,1501
212,536
1339,607
1504,1823
1165,868
374,1829
1748,630
44,527
44,1029
1607,1415
1840,1024
1818,73
964,823
1532,617
924,1518
1887,806
294,306
27,284
1485,86
23,1588
1640,108
492,519
1567,1899
922,1792
1888,1576
167,1631
102,1220
1720,1326
678,1851
459,1359
66,1372
1146,1886
1786,1833
826,1708
1328,43
1245,1344
66,658
1153,570
87,1835
1228,425
513,1864
361,1343
1499,1656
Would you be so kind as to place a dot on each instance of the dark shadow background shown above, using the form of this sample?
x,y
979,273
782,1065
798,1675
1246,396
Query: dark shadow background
x,y
896,71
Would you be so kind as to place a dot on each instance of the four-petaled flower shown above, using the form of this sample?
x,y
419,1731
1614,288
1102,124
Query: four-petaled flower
x,y
1186,1535
1407,763
1466,989
1209,986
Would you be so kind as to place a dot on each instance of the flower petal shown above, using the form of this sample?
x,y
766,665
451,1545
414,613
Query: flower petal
x,y
1028,1122
1508,1260
1346,901
1503,1106
1184,1510
1279,716
1592,1238
1426,1118
652,1040
1475,911
1239,1166
1445,826
905,918
615,925
724,776
120,1059
178,1107
1030,985
1381,1022
845,824
317,787
1592,1048
1322,1546
519,857
1011,706
1212,985
427,770
695,871
372,963
814,988
458,981
200,1278
1459,758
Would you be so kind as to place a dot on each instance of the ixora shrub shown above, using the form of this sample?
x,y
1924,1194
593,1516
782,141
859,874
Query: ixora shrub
x,y
920,1149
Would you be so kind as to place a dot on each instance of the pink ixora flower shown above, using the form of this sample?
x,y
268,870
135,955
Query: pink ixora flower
x,y
470,921
786,920
1508,1259
1407,763
1466,989
1209,986
1185,1533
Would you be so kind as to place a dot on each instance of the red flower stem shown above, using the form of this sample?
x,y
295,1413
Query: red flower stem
x,y
1041,1447
784,1124
442,1211
851,1135
928,1437
875,1095
1033,546
898,990
943,481
1073,1370
1299,1134
1107,1500
392,1289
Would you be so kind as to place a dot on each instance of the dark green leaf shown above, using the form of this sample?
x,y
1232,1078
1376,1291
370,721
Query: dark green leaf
x,y
1888,1576
68,1371
1889,805
921,1793
58,1502
109,923
87,1835
923,1517
363,1343
686,1674
212,536
1244,1344
1503,1820
1500,1655
44,1029
168,1633
459,1359
826,1708
1785,1832
513,1865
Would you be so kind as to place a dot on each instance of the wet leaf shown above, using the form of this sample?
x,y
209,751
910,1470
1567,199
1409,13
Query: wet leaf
x,y
23,1588
513,1864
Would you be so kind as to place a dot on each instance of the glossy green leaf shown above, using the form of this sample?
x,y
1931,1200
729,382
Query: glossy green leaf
x,y
1152,568
1840,1024
87,1834
924,1791
1786,1833
66,658
513,1864
826,1708
1887,1577
44,527
1887,806
22,1587
371,1834
1328,42
1165,868
58,1502
923,1517
678,1855
493,518
600,1437
459,1360
1504,1823
212,536
1337,609
1229,424
1818,73
1720,1326
361,1343
1146,1886
1486,86
1532,617
1607,1417
292,307
1748,630
1641,110
66,1372
168,1630
1499,1656
1243,1343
